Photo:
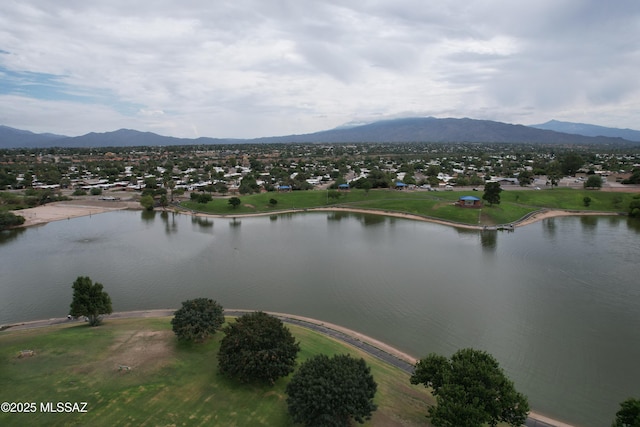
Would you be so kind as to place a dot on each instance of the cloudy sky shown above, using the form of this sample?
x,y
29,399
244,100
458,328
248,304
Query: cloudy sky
x,y
249,68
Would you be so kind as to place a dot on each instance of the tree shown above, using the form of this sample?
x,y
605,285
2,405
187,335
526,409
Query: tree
x,y
629,414
586,200
634,207
470,390
331,391
570,163
197,319
147,202
234,202
594,181
89,300
525,178
9,219
273,202
257,347
492,192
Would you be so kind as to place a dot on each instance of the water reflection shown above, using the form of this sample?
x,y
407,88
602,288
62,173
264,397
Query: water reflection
x,y
489,240
169,220
634,224
549,227
7,236
369,220
589,222
202,222
235,223
148,216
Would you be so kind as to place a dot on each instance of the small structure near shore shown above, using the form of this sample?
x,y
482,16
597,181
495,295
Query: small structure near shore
x,y
469,202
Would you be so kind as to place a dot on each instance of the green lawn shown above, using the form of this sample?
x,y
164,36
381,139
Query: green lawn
x,y
515,203
169,383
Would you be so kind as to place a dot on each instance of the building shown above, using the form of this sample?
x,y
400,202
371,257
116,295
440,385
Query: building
x,y
469,202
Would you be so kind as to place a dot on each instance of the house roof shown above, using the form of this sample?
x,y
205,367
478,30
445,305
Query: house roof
x,y
475,199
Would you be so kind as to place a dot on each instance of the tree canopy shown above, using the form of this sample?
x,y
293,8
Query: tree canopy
x,y
257,347
629,414
9,219
594,181
89,300
197,319
234,202
492,192
470,390
331,391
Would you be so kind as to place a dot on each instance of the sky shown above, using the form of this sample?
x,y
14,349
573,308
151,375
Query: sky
x,y
252,68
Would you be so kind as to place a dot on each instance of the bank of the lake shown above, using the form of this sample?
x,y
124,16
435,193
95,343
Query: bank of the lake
x,y
165,381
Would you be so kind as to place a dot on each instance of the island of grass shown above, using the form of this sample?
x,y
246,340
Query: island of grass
x,y
514,204
135,372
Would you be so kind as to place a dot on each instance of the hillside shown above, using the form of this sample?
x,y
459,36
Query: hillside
x,y
407,130
589,130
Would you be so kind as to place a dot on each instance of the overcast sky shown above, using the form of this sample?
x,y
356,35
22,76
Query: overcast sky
x,y
250,68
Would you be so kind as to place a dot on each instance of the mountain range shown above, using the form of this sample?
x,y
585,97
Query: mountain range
x,y
417,129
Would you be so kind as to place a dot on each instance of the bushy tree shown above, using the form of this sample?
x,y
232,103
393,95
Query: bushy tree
x,y
257,347
197,319
571,163
634,207
471,390
9,219
89,300
492,192
331,391
525,178
234,202
147,202
629,414
594,181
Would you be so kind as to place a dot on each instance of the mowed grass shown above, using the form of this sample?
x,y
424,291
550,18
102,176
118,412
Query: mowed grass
x,y
169,383
515,203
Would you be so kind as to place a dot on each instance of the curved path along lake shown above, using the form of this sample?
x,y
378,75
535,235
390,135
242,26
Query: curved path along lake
x,y
556,302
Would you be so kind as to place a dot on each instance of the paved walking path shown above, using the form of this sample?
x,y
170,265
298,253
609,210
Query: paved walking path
x,y
365,343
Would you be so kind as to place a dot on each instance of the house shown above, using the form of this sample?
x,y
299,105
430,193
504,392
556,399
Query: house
x,y
469,202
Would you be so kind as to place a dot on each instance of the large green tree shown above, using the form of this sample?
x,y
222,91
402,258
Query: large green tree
x,y
257,347
331,391
570,163
197,319
471,390
9,219
492,192
594,181
234,202
629,414
89,300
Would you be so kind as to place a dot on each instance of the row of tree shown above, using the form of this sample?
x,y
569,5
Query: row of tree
x,y
470,388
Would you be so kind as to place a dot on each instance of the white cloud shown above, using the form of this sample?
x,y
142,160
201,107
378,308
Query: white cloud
x,y
251,68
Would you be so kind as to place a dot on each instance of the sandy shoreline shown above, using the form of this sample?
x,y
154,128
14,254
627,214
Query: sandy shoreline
x,y
76,208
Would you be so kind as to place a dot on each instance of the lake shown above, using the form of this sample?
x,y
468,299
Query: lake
x,y
556,302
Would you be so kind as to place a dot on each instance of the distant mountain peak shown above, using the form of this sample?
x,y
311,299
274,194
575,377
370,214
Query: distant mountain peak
x,y
589,130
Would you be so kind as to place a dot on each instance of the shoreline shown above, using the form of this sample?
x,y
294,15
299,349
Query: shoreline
x,y
58,211
539,420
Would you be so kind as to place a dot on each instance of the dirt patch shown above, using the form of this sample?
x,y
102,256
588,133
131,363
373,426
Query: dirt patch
x,y
140,351
247,205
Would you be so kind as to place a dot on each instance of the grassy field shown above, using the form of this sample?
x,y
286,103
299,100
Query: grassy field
x,y
515,203
169,383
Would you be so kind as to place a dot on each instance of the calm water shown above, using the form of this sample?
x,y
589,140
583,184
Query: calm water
x,y
556,302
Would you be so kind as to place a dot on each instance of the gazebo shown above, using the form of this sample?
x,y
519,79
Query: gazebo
x,y
469,202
